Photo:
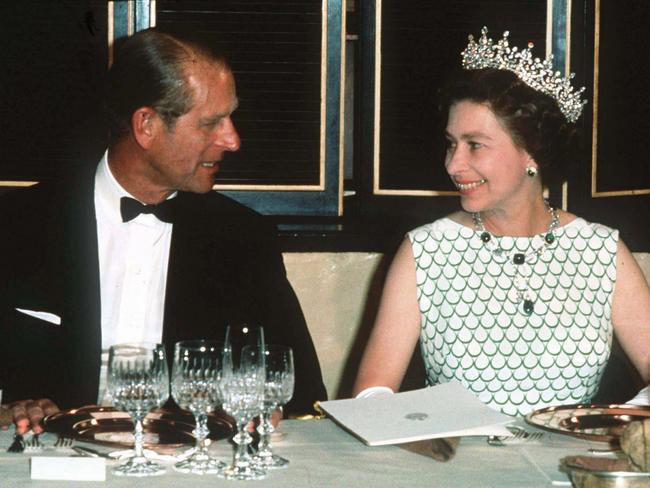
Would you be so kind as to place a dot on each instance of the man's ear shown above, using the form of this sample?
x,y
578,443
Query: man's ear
x,y
145,123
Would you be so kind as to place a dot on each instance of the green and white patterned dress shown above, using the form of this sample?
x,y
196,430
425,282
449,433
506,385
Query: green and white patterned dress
x,y
474,329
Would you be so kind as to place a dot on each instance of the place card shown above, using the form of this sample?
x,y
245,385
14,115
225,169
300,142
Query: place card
x,y
68,468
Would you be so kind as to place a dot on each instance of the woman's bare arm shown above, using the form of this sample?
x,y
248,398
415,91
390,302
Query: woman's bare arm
x,y
631,310
396,329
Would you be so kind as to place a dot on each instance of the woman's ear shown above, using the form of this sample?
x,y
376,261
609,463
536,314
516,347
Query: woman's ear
x,y
530,165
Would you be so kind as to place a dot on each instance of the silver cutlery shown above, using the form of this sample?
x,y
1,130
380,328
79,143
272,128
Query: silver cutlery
x,y
63,442
88,452
34,443
519,436
18,444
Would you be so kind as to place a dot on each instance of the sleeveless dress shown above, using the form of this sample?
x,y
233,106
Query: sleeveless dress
x,y
475,330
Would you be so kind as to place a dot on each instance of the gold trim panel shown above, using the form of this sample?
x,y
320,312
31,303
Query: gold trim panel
x,y
323,97
152,13
266,187
377,108
342,84
594,131
110,31
416,193
17,184
594,126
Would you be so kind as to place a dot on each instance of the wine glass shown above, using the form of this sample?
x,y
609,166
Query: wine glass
x,y
242,393
278,390
196,378
138,381
239,336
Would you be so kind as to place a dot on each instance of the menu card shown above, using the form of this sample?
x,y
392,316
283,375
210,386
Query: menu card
x,y
446,410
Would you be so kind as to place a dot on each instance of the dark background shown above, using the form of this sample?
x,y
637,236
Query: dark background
x,y
55,56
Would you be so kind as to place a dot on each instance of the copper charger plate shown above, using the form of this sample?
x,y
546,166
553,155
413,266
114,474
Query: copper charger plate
x,y
601,423
108,426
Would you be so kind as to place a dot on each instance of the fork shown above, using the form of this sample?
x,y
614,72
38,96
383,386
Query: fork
x,y
34,443
18,445
63,442
519,436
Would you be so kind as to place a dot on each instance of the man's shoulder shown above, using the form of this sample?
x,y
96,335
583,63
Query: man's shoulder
x,y
79,179
219,209
26,201
214,203
47,201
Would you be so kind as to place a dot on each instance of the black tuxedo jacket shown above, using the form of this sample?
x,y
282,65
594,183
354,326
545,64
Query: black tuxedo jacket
x,y
224,267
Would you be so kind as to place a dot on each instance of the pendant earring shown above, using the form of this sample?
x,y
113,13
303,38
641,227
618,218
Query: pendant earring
x,y
531,171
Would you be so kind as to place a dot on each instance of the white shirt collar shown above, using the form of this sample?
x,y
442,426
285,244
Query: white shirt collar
x,y
108,193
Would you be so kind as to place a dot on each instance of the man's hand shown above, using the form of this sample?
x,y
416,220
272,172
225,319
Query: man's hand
x,y
276,416
28,414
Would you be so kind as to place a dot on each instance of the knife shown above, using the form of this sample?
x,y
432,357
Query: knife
x,y
87,451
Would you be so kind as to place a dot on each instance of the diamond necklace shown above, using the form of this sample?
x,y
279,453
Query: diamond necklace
x,y
522,261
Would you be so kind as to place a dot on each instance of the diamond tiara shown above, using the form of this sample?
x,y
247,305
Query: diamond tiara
x,y
537,74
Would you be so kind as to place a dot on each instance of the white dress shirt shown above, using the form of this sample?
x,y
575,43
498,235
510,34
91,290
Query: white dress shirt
x,y
133,259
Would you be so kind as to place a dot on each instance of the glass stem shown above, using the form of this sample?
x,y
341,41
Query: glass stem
x,y
139,436
201,432
242,459
265,429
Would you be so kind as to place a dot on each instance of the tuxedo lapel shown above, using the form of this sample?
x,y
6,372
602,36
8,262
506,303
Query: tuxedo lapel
x,y
195,293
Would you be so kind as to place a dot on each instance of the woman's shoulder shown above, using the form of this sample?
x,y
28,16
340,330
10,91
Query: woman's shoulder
x,y
573,224
575,229
450,226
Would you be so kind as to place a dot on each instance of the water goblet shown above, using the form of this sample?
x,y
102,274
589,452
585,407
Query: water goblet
x,y
196,377
278,390
138,381
242,393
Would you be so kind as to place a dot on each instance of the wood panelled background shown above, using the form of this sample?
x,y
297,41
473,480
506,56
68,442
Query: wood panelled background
x,y
275,51
419,46
54,58
623,97
611,183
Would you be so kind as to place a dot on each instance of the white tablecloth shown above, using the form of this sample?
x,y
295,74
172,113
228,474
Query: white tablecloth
x,y
323,455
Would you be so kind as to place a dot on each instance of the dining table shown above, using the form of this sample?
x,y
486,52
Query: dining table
x,y
322,454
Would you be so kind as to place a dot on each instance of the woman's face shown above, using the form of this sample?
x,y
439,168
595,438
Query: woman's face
x,y
487,167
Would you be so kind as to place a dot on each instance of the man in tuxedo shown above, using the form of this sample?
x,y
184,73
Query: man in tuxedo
x,y
138,248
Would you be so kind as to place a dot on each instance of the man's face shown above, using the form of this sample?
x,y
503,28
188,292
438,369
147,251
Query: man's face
x,y
186,156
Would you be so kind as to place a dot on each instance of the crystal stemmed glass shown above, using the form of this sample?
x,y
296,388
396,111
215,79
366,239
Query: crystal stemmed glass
x,y
242,393
138,381
278,390
241,335
196,378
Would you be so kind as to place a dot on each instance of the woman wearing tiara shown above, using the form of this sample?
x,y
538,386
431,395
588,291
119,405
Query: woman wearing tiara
x,y
516,300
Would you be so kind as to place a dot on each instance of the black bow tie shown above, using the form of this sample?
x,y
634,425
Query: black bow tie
x,y
164,211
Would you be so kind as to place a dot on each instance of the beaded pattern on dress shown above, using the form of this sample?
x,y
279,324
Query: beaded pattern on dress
x,y
474,332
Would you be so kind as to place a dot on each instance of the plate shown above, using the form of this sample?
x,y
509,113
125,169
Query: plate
x,y
108,426
602,423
